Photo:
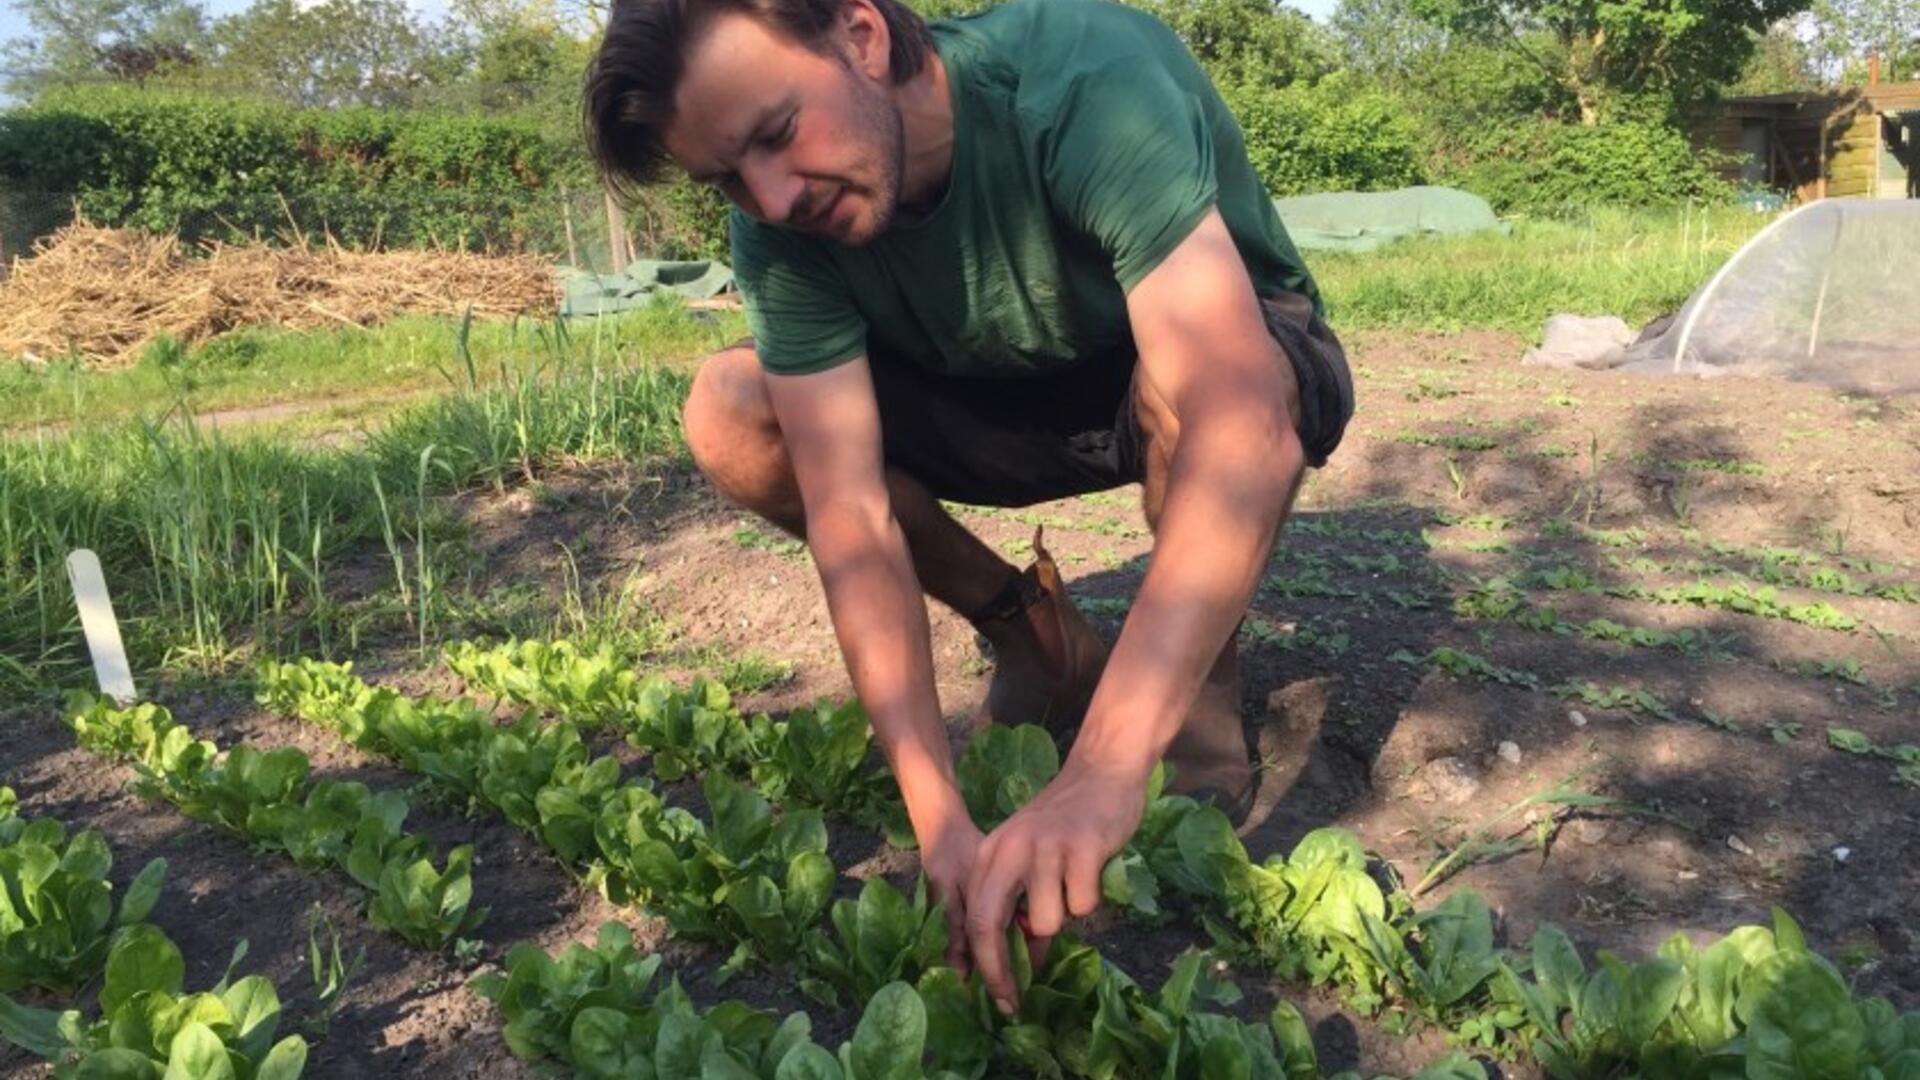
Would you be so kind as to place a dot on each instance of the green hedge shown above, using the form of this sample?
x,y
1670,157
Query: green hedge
x,y
1333,135
221,167
1549,167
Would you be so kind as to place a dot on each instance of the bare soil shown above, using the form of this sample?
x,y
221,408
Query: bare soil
x,y
1715,827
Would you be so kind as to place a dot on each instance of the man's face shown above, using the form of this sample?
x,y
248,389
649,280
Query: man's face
x,y
793,138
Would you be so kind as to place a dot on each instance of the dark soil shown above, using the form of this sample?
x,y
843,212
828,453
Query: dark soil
x,y
1715,826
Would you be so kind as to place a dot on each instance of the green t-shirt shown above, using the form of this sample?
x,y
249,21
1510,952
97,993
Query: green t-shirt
x,y
1088,144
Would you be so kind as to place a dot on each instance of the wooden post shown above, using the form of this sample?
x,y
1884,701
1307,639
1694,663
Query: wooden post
x,y
619,249
566,219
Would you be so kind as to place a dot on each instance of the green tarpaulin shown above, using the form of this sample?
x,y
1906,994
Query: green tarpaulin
x,y
1364,220
588,293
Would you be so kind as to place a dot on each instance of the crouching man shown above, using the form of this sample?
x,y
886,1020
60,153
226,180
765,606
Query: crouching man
x,y
1000,259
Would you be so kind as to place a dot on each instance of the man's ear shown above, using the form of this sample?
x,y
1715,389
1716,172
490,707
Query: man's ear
x,y
867,39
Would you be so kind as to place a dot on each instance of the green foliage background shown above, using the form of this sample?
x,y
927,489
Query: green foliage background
x,y
470,135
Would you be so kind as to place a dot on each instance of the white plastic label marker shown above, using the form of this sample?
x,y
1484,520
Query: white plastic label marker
x,y
102,629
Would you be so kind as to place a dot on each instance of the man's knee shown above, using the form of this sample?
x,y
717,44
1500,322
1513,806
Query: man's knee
x,y
727,409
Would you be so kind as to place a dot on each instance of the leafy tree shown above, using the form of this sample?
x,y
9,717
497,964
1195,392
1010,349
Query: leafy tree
x,y
522,53
1846,32
1621,57
334,53
1386,39
1782,61
77,39
1249,40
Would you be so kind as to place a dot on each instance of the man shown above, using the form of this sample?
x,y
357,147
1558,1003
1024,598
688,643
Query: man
x,y
1003,259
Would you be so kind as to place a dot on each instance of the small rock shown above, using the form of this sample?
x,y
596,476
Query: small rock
x,y
1739,845
1579,718
1510,752
1450,780
1589,831
1842,854
1687,875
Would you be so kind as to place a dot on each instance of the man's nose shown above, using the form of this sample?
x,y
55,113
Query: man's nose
x,y
775,190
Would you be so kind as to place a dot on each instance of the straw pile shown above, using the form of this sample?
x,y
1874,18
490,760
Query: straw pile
x,y
102,294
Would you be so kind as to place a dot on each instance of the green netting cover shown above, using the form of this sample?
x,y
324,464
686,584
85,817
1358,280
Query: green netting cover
x,y
1364,220
588,293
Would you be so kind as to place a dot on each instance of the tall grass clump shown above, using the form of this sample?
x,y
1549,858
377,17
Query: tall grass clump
x,y
219,547
1634,264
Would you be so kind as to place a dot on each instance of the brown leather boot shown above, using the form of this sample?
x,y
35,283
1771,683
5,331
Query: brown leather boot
x,y
1209,756
1046,658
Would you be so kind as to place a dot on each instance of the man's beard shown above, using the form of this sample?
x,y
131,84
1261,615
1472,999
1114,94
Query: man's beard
x,y
881,132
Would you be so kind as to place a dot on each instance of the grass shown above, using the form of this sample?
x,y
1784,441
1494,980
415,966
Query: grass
x,y
218,546
1634,264
364,374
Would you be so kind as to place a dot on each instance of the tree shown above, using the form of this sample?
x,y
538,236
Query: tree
x,y
523,53
333,53
1847,32
1617,57
77,39
1783,61
1386,39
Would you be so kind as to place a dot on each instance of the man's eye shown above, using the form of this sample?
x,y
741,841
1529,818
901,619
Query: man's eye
x,y
785,134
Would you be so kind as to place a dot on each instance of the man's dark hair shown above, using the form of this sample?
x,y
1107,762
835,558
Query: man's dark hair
x,y
630,85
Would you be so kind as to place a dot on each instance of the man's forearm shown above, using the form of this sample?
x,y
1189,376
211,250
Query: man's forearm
x,y
880,620
1231,482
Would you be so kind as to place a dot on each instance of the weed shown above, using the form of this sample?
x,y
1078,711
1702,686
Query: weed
x,y
1464,444
332,975
1462,664
1631,699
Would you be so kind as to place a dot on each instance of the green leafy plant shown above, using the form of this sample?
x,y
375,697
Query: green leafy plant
x,y
266,799
880,938
1463,664
821,757
147,1026
331,973
58,919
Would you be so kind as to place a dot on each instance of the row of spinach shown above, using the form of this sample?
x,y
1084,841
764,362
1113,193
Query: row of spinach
x,y
61,930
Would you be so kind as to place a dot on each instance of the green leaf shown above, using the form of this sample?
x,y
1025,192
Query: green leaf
x,y
808,1062
37,1031
286,1061
742,820
1337,846
87,857
142,958
605,1043
143,892
1227,1058
1801,1021
1651,993
1557,966
1297,1054
809,885
757,901
1853,742
891,1038
255,1011
115,1063
197,1054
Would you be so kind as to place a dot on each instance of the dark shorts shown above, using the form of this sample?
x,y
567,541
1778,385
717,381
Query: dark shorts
x,y
1016,442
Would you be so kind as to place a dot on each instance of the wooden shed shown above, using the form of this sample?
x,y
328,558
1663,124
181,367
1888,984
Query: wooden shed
x,y
1862,142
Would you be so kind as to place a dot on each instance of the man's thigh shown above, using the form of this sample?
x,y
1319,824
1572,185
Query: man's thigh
x,y
1010,442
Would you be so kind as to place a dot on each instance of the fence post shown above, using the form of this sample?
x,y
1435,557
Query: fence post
x,y
619,249
566,219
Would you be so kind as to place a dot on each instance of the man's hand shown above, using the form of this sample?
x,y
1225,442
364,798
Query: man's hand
x,y
1052,850
947,857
